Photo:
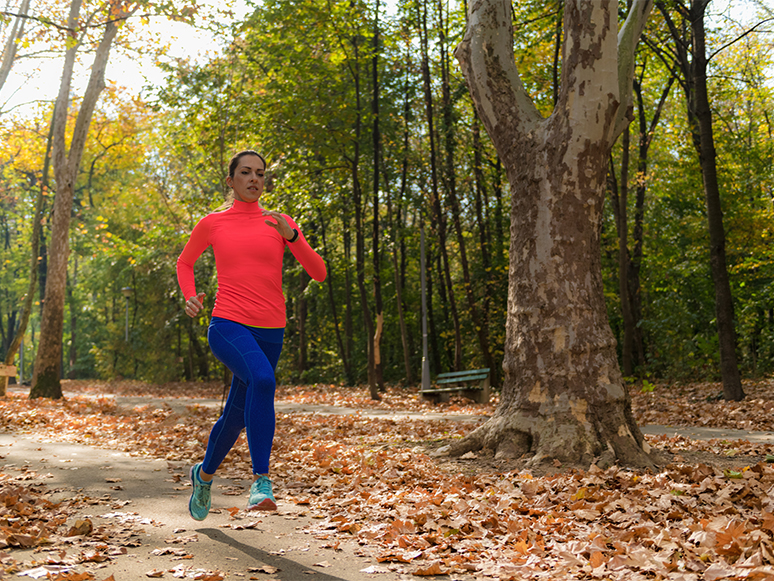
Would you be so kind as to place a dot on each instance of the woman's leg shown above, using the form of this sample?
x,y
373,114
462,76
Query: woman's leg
x,y
226,430
259,415
250,404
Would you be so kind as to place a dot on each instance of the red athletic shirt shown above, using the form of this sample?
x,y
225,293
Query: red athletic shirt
x,y
248,259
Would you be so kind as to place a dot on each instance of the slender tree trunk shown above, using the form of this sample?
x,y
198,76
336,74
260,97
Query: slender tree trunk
x,y
646,132
450,188
357,198
349,333
46,378
197,354
438,215
34,261
395,225
73,355
14,38
332,299
450,141
691,59
360,275
302,309
557,50
377,144
705,146
484,242
435,349
619,193
638,238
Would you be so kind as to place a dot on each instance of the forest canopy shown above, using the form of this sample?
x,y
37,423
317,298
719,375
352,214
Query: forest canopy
x,y
370,133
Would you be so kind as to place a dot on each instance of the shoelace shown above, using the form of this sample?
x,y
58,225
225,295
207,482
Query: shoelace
x,y
202,492
264,485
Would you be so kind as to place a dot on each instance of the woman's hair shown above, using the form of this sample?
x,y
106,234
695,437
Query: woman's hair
x,y
232,166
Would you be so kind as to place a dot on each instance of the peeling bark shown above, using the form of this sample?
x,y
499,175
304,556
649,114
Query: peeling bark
x,y
66,162
563,395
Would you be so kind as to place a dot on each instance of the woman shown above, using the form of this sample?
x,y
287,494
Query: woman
x,y
248,321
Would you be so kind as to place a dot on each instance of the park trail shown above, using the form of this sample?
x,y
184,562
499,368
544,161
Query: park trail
x,y
153,494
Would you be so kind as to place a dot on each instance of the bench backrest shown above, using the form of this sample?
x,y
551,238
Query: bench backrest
x,y
460,375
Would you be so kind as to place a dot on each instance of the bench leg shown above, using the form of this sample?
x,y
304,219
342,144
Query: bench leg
x,y
484,393
436,397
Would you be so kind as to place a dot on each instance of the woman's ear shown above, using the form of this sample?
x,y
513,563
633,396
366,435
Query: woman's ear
x,y
229,182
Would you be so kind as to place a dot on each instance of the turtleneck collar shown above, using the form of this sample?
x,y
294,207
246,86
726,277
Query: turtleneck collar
x,y
246,207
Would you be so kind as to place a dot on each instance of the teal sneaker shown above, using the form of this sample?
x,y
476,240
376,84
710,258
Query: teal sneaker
x,y
199,505
261,497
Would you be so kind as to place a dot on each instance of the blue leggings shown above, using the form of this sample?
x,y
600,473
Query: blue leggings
x,y
251,354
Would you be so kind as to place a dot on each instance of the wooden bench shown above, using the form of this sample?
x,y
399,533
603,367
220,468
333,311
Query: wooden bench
x,y
473,384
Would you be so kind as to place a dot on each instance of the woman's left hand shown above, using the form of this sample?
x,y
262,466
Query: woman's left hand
x,y
281,225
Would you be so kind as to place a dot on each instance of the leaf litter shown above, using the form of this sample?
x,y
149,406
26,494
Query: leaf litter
x,y
372,480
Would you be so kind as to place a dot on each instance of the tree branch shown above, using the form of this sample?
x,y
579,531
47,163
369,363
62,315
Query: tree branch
x,y
738,38
628,38
48,22
487,61
673,68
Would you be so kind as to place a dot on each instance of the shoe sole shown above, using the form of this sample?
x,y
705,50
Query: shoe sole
x,y
265,504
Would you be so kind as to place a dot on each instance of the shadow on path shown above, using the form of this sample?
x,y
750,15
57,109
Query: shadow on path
x,y
287,568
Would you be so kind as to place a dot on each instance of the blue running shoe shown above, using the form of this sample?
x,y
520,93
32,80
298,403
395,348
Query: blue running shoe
x,y
199,505
261,497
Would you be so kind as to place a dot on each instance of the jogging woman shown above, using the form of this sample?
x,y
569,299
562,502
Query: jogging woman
x,y
248,321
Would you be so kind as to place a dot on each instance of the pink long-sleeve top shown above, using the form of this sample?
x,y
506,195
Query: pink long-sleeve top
x,y
248,259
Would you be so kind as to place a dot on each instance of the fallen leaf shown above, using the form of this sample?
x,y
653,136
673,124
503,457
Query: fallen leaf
x,y
81,527
374,570
86,576
433,568
268,569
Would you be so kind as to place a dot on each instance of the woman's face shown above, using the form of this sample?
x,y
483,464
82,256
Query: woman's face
x,y
247,182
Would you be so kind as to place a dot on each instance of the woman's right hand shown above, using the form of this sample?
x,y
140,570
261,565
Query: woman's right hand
x,y
194,305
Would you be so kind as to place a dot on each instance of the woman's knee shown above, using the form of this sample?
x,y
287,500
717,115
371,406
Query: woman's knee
x,y
264,382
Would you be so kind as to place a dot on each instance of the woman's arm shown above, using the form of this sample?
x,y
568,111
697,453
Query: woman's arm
x,y
197,243
305,254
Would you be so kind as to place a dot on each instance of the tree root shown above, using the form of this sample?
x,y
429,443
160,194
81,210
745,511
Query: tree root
x,y
561,438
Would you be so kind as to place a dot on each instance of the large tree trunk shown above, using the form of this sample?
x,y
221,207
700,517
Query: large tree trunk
x,y
563,396
46,378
